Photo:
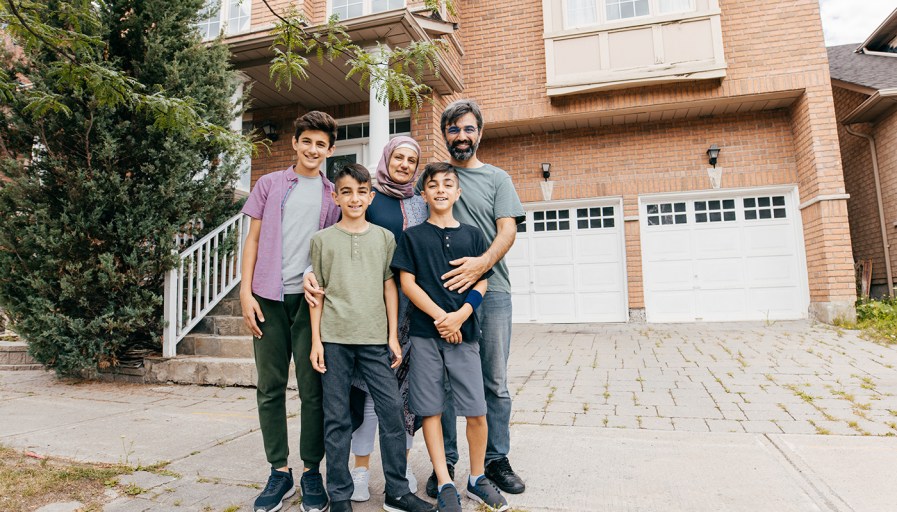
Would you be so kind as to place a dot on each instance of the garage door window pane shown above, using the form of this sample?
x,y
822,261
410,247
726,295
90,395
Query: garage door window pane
x,y
521,228
770,207
666,214
595,218
551,220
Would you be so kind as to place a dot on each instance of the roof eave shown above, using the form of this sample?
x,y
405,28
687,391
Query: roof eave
x,y
879,104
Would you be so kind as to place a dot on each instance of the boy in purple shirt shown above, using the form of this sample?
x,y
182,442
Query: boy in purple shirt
x,y
287,207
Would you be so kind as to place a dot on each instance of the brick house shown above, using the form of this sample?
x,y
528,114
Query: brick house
x,y
864,85
623,98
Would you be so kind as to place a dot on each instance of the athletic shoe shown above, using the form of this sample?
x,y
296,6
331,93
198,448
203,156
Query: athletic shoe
x,y
360,479
448,499
407,503
341,506
314,497
501,474
487,493
433,484
412,481
280,487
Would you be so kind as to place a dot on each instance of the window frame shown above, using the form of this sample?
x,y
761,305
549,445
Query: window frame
x,y
225,20
601,11
366,9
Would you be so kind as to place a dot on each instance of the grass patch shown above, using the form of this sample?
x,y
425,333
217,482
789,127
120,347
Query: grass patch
x,y
27,483
877,318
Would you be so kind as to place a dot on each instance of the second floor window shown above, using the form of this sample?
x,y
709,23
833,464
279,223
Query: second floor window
x,y
580,13
231,16
346,9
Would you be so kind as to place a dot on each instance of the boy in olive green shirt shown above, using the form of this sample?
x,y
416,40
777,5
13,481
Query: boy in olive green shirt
x,y
350,331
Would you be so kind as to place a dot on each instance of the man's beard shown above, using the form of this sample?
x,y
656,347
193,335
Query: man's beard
x,y
463,155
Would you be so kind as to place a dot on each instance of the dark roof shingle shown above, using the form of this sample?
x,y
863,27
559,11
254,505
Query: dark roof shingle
x,y
873,71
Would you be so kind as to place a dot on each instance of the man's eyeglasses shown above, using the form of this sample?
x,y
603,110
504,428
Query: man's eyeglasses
x,y
454,130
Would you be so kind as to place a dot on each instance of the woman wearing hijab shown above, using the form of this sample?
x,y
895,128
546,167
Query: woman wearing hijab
x,y
396,208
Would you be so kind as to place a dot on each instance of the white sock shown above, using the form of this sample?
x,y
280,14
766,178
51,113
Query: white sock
x,y
473,480
443,486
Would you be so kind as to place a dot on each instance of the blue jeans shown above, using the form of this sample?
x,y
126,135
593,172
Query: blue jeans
x,y
371,362
494,315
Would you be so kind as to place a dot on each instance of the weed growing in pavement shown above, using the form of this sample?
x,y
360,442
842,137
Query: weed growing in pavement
x,y
133,489
585,407
819,430
877,318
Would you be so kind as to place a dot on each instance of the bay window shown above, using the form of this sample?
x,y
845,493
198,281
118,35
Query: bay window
x,y
346,9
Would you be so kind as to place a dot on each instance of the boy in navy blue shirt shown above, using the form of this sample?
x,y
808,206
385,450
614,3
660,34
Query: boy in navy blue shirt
x,y
445,334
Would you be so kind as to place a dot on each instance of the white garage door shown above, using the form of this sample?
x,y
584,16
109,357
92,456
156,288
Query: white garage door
x,y
723,256
568,263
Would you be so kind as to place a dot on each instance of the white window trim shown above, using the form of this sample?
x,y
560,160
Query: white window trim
x,y
653,13
224,19
366,9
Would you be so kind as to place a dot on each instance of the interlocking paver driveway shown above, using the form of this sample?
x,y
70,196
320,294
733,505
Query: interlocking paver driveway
x,y
779,377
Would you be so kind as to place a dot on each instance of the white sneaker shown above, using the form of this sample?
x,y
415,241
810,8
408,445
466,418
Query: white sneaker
x,y
360,479
412,481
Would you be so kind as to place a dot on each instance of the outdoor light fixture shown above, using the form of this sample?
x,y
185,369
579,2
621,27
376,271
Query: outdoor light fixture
x,y
713,153
270,130
546,171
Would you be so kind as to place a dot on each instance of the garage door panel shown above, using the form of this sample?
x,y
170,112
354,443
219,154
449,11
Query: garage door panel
x,y
598,307
672,306
768,240
603,247
551,278
720,273
716,242
672,275
667,246
772,271
599,277
518,254
775,303
521,307
717,305
555,307
552,249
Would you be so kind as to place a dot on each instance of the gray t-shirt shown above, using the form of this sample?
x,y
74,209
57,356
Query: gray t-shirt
x,y
352,268
301,218
487,194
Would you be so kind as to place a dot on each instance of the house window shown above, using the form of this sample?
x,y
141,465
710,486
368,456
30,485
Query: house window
x,y
764,208
230,16
716,210
580,13
551,220
595,218
397,126
346,9
622,9
664,214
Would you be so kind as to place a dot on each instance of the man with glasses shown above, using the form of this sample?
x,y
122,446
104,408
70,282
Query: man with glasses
x,y
488,201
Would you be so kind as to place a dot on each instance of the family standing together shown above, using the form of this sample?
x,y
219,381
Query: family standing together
x,y
392,299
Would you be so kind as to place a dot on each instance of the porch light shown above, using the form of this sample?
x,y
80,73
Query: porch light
x,y
270,130
713,153
546,171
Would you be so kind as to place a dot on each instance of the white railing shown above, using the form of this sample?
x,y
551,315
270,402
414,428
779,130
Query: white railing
x,y
205,273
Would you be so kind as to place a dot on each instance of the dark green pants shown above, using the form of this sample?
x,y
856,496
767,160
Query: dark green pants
x,y
286,334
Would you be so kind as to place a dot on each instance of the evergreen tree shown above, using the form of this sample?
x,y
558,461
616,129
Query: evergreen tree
x,y
120,138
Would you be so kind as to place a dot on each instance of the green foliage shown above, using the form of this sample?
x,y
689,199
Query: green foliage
x,y
398,71
878,318
121,137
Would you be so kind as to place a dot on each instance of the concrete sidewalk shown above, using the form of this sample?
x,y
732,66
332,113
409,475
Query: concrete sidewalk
x,y
789,416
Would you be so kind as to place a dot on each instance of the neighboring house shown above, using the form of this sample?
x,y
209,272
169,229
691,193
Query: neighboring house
x,y
623,98
864,84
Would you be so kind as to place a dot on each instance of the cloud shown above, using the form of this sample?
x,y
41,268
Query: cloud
x,y
852,21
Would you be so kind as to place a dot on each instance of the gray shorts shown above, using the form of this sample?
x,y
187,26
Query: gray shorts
x,y
433,358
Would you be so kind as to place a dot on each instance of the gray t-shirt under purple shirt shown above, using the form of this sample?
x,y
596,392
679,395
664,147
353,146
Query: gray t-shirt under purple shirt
x,y
301,212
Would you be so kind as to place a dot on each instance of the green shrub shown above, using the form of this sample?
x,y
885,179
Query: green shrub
x,y
878,317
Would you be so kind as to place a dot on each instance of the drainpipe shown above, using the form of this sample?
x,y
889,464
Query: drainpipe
x,y
881,211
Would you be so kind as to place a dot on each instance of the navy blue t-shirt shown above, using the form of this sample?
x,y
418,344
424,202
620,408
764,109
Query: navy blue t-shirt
x,y
386,212
425,251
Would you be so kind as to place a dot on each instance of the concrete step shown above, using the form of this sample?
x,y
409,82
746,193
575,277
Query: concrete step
x,y
203,370
14,356
229,306
222,325
214,345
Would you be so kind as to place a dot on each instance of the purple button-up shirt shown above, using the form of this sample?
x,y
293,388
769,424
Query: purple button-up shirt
x,y
266,204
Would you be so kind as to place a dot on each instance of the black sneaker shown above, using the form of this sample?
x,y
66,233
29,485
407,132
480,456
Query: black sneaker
x,y
341,506
314,497
407,503
486,493
448,500
280,487
501,474
433,484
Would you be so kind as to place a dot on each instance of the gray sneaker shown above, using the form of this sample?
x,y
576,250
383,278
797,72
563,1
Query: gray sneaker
x,y
447,500
487,493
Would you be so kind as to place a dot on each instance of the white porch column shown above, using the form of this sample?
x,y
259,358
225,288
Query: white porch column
x,y
379,122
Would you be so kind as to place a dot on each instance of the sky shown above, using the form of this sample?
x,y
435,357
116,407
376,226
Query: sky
x,y
852,21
